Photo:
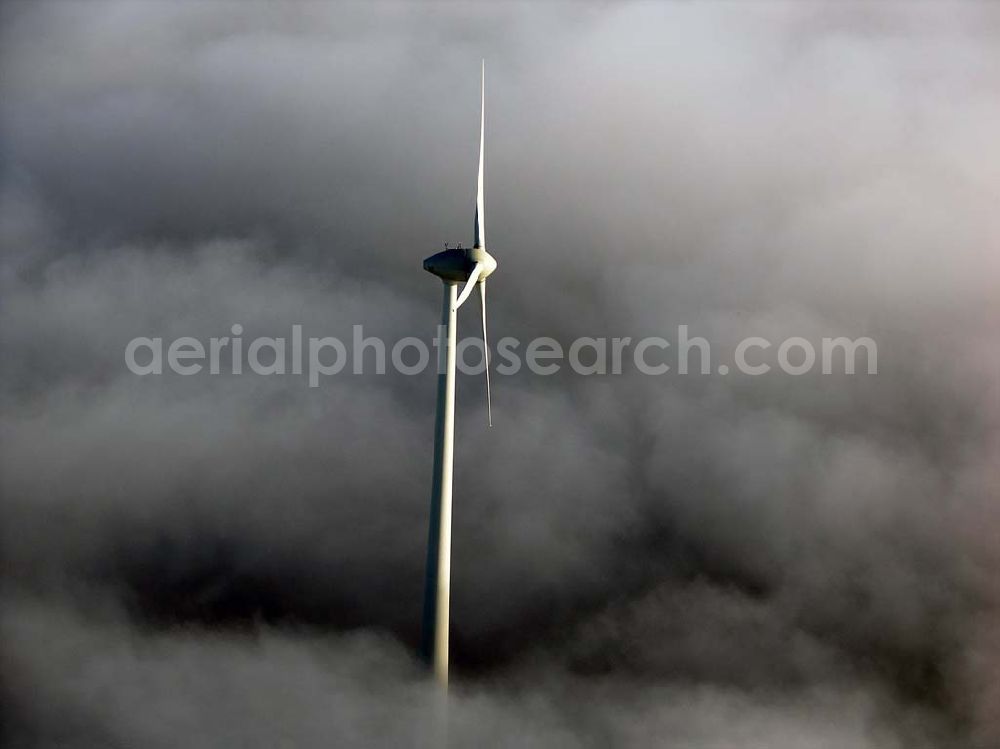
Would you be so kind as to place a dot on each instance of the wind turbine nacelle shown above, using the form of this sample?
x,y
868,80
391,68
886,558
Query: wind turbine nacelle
x,y
452,265
456,265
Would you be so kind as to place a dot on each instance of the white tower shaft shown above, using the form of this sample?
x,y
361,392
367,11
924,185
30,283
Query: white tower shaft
x,y
437,590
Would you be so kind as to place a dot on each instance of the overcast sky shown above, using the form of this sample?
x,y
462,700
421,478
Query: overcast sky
x,y
685,561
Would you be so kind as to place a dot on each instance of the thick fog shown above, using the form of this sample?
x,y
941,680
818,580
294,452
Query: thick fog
x,y
695,561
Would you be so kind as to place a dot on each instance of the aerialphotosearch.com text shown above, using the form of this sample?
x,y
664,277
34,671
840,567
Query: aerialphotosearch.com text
x,y
319,357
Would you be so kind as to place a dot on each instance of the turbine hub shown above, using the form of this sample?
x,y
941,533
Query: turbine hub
x,y
480,255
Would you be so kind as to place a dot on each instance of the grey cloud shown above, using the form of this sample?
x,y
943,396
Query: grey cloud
x,y
639,560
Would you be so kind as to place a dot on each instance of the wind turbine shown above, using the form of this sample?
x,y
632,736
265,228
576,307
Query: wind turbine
x,y
454,267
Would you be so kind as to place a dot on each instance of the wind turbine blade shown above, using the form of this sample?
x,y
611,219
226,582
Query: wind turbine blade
x,y
486,352
473,277
480,200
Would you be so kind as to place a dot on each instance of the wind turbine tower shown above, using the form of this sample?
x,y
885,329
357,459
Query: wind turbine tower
x,y
466,268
